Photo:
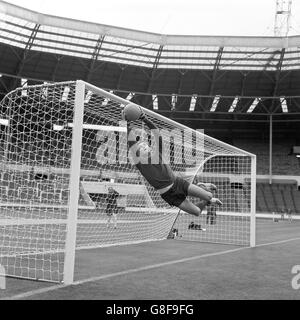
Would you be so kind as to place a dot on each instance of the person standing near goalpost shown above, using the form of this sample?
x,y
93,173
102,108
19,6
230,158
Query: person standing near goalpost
x,y
112,206
211,217
173,189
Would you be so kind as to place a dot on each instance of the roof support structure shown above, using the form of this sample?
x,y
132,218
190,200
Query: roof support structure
x,y
213,79
94,58
271,58
3,84
120,76
58,59
215,70
277,79
179,89
24,56
154,68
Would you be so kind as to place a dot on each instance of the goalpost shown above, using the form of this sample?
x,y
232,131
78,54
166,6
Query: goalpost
x,y
65,168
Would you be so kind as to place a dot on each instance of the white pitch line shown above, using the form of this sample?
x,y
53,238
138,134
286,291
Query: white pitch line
x,y
146,268
276,242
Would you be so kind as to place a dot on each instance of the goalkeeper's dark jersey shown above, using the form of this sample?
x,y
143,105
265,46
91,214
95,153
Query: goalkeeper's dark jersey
x,y
159,175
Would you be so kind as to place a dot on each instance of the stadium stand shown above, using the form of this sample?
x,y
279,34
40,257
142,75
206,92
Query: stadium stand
x,y
277,197
283,162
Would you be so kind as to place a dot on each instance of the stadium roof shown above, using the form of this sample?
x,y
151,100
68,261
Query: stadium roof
x,y
22,27
180,76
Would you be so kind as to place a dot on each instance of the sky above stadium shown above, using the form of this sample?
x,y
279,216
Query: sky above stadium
x,y
193,17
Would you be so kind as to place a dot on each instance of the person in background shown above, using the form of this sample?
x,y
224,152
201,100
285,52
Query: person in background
x,y
289,215
282,213
112,207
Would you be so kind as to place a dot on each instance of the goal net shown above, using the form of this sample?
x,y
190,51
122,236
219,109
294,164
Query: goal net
x,y
68,181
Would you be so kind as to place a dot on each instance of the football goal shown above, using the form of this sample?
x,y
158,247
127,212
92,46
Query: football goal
x,y
65,171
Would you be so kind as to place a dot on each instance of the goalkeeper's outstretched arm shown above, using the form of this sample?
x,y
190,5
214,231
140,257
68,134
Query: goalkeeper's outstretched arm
x,y
152,127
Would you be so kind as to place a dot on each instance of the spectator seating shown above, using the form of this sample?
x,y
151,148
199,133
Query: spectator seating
x,y
283,162
277,197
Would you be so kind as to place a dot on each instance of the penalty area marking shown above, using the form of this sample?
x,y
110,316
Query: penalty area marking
x,y
135,270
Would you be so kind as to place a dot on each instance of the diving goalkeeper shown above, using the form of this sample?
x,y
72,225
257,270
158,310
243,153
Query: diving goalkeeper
x,y
173,189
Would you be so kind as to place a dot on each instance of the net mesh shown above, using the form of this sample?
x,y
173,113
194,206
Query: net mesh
x,y
116,204
229,223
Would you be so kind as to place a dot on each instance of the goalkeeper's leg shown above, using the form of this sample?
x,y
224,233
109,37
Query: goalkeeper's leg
x,y
198,192
207,186
181,189
205,196
194,209
189,207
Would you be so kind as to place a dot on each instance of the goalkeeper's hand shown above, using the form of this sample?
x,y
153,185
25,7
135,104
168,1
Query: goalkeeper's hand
x,y
142,116
123,115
